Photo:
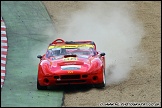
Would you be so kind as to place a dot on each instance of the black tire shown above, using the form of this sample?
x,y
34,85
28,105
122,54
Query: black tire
x,y
39,87
103,84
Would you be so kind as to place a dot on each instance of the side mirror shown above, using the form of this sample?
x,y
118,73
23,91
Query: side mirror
x,y
102,54
39,56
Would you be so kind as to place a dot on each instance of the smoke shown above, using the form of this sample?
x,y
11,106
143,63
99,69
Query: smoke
x,y
112,27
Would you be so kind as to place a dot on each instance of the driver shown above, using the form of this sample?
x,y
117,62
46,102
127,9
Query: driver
x,y
55,52
58,51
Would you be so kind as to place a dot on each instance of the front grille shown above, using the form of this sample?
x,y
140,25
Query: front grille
x,y
70,76
71,81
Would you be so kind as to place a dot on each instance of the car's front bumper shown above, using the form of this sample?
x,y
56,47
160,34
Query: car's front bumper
x,y
65,79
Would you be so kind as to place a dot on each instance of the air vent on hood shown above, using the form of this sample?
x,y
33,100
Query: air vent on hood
x,y
65,56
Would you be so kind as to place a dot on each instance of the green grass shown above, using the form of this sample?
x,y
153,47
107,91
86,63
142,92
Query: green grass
x,y
26,23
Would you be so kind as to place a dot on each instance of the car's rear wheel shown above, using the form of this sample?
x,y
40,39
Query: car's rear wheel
x,y
39,87
103,84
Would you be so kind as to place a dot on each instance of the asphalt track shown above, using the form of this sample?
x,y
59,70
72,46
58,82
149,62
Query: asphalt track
x,y
25,22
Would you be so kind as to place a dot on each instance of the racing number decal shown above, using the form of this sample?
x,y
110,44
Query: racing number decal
x,y
70,59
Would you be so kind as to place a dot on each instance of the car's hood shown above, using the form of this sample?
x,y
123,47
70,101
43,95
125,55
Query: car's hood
x,y
81,62
71,58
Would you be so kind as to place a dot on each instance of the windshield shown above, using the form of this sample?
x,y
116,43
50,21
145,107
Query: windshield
x,y
60,51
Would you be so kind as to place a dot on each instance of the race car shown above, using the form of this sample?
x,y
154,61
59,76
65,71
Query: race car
x,y
71,62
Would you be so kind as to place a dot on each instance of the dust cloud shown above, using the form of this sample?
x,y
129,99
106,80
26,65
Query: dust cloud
x,y
114,31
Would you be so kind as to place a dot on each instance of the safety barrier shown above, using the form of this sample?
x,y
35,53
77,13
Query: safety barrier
x,y
4,48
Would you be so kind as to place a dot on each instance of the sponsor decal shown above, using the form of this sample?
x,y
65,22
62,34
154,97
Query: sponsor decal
x,y
70,46
70,72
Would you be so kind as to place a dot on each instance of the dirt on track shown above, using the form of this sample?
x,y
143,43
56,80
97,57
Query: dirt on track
x,y
144,83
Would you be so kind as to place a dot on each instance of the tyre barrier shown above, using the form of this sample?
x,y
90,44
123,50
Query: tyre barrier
x,y
4,48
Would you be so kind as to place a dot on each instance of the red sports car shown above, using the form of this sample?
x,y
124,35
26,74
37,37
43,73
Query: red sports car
x,y
71,62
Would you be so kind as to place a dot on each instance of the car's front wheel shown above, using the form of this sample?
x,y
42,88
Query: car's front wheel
x,y
39,87
103,84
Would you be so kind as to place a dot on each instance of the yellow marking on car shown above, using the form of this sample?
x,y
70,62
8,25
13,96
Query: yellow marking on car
x,y
71,46
70,59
